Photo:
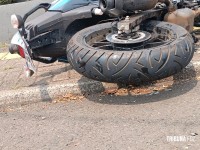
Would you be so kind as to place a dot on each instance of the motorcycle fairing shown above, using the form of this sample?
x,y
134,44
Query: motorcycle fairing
x,y
67,5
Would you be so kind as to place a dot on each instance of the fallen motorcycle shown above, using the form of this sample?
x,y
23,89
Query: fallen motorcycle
x,y
119,41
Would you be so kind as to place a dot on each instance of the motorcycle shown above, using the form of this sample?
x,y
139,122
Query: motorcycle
x,y
118,41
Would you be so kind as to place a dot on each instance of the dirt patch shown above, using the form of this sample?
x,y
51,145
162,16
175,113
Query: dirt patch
x,y
150,88
69,97
155,87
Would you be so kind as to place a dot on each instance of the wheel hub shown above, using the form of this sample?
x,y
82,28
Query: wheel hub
x,y
132,38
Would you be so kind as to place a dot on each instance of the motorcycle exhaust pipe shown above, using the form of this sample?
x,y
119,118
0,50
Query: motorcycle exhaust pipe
x,y
106,5
121,7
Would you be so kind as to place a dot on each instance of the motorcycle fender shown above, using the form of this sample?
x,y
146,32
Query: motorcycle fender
x,y
17,40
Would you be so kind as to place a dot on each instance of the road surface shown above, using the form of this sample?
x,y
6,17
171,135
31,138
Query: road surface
x,y
164,120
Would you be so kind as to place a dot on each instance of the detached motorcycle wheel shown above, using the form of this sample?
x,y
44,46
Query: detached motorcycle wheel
x,y
168,51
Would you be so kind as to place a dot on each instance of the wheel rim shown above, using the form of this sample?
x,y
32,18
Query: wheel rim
x,y
101,39
138,37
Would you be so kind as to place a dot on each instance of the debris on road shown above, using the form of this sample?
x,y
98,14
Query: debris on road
x,y
194,134
152,88
69,97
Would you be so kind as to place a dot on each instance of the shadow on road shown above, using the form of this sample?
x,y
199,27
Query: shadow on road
x,y
182,83
43,83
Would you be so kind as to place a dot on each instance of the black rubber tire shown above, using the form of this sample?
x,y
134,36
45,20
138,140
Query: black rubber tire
x,y
131,67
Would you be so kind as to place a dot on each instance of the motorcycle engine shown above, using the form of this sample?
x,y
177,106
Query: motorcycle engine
x,y
120,7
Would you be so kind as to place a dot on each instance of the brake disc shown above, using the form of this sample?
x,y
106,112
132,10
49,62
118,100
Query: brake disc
x,y
141,37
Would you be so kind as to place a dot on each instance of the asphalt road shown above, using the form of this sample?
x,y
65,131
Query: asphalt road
x,y
102,122
6,11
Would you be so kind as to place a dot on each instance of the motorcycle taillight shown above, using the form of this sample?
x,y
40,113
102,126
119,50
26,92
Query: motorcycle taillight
x,y
21,51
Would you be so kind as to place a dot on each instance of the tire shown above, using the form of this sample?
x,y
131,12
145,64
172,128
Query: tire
x,y
131,67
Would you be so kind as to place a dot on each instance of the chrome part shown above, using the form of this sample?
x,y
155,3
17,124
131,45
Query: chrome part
x,y
124,26
97,11
133,38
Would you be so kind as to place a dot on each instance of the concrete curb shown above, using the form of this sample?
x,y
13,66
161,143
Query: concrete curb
x,y
53,91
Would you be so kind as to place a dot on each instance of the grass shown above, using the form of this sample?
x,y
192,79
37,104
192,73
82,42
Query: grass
x,y
3,45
